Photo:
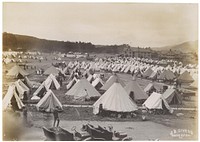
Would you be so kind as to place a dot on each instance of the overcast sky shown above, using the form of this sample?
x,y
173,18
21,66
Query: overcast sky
x,y
104,23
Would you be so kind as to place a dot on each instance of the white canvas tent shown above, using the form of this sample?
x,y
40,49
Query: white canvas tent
x,y
90,78
21,88
185,77
40,91
95,76
166,75
51,70
153,75
115,99
71,83
86,73
48,102
110,82
97,83
147,72
156,101
6,60
31,84
83,90
46,85
17,72
9,95
28,82
172,96
150,88
65,70
51,80
138,92
194,84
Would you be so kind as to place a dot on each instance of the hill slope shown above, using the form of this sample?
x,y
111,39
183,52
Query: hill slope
x,y
29,43
190,46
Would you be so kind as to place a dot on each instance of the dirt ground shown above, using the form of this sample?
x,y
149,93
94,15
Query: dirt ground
x,y
162,127
155,128
137,130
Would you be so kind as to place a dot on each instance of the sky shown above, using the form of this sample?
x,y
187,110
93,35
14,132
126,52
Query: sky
x,y
136,24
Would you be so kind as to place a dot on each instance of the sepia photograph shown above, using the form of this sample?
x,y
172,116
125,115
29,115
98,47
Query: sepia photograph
x,y
99,71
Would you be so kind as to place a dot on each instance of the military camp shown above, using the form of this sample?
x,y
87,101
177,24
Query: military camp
x,y
99,72
105,89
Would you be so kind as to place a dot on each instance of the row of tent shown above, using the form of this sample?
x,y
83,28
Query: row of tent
x,y
95,83
126,64
17,90
116,97
15,53
49,83
85,88
130,65
171,95
149,72
162,62
7,60
16,71
145,70
185,77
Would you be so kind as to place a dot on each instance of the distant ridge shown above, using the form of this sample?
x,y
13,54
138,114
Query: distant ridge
x,y
185,47
30,43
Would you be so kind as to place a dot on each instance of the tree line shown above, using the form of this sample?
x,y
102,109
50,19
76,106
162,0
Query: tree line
x,y
27,43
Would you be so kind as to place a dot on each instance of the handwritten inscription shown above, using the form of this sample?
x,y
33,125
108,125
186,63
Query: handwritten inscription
x,y
181,133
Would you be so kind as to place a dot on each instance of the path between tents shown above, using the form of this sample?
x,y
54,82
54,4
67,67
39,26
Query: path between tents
x,y
138,107
90,106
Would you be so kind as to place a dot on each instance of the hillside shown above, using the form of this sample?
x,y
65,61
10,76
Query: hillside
x,y
29,43
190,46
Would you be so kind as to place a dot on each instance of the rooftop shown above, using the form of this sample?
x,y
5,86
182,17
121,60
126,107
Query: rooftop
x,y
139,49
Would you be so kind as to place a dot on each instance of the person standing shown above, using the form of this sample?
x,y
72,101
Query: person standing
x,y
25,99
61,81
56,117
100,109
25,114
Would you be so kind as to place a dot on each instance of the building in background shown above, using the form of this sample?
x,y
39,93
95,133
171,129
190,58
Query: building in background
x,y
171,55
138,52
